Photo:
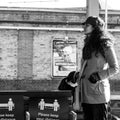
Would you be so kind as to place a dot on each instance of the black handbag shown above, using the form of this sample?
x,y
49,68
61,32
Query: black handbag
x,y
63,85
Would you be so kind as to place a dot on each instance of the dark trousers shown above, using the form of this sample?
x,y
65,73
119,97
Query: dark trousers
x,y
95,111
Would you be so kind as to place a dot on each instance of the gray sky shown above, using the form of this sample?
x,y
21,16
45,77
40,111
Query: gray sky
x,y
112,4
44,3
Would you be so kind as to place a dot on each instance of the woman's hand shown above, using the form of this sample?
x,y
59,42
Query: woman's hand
x,y
94,77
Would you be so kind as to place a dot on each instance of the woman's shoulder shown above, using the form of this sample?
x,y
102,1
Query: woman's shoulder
x,y
107,35
107,40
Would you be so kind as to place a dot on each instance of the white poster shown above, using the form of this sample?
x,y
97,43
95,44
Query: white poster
x,y
64,57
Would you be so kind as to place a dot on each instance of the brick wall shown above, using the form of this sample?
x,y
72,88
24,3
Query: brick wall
x,y
31,58
27,65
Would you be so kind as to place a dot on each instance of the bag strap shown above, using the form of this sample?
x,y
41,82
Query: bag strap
x,y
77,95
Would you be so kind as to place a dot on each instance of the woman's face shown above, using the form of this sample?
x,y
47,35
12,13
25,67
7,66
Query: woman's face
x,y
88,28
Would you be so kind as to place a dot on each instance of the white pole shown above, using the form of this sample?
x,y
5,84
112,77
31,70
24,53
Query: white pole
x,y
106,14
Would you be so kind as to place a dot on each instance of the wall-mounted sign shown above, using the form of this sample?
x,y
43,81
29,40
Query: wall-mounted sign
x,y
50,106
64,57
11,107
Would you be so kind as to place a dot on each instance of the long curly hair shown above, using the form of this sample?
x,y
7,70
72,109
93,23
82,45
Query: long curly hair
x,y
97,42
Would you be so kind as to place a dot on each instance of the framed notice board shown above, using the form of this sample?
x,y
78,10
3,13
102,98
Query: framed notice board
x,y
64,56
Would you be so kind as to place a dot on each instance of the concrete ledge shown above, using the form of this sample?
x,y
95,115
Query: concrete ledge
x,y
44,85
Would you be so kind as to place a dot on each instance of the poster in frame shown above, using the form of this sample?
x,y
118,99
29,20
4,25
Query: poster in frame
x,y
64,56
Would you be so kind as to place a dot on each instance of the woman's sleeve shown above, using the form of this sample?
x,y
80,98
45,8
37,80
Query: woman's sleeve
x,y
112,61
82,61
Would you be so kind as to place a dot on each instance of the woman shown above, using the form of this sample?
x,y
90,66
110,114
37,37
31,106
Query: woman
x,y
101,64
